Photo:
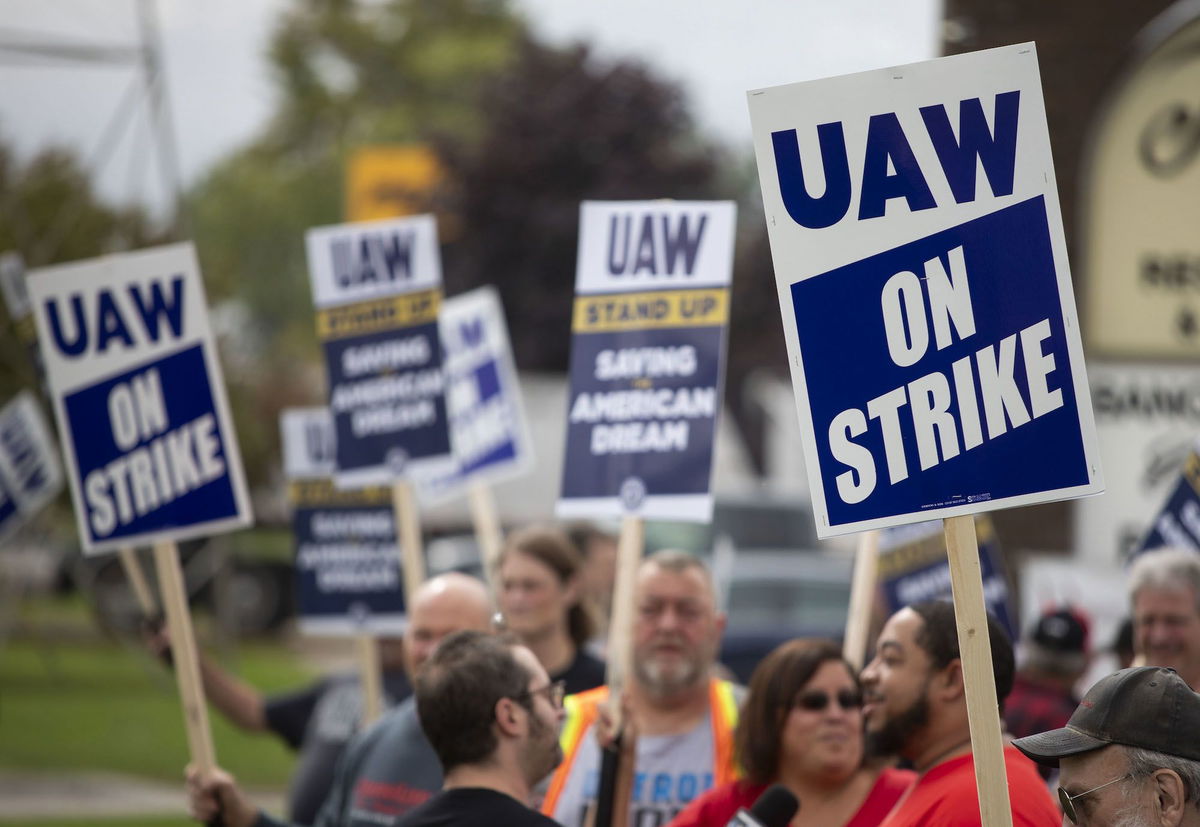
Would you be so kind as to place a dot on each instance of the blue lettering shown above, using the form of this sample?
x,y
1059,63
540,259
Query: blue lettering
x,y
618,267
110,323
471,332
997,153
378,258
682,243
80,342
688,785
814,213
639,786
159,307
397,253
886,143
662,788
645,248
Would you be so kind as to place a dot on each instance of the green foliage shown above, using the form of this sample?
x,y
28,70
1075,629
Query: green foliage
x,y
49,213
97,706
349,73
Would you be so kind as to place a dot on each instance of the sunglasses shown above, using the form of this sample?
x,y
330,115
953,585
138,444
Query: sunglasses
x,y
815,700
1067,801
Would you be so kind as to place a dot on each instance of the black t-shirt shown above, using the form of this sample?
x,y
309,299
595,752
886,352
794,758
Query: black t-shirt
x,y
585,672
319,721
474,807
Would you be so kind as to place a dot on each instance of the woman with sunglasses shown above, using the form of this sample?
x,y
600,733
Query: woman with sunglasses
x,y
801,726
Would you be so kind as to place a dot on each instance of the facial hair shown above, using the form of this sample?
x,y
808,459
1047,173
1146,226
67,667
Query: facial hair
x,y
663,683
545,752
895,733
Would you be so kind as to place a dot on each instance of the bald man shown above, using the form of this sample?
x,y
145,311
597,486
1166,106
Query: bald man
x,y
390,768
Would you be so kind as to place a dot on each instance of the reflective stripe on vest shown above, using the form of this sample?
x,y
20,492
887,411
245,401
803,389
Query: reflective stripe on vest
x,y
581,711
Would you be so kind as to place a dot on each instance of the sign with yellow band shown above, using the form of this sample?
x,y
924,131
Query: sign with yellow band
x,y
647,355
651,310
379,315
348,577
377,288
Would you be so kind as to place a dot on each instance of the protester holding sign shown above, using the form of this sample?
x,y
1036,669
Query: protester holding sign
x,y
542,605
492,715
916,708
684,717
801,726
390,768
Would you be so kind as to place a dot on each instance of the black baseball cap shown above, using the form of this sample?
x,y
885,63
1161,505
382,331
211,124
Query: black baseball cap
x,y
1062,630
1149,707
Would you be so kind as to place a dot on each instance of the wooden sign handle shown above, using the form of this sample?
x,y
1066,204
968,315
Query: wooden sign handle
x,y
488,533
372,679
408,530
183,653
975,650
137,581
862,594
620,631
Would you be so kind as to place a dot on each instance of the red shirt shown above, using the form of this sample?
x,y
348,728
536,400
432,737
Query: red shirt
x,y
945,796
718,805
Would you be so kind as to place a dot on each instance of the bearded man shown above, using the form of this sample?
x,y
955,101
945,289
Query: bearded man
x,y
915,706
683,715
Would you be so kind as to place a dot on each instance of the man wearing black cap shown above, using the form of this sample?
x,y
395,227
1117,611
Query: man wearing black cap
x,y
1053,656
1130,755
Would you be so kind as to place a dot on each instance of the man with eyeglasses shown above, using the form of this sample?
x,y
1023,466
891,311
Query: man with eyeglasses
x,y
389,768
684,716
1130,754
916,707
492,715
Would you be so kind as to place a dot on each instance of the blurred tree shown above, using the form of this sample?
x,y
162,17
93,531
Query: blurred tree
x,y
49,213
562,126
349,73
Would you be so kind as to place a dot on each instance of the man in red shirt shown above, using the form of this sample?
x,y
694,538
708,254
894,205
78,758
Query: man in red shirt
x,y
916,707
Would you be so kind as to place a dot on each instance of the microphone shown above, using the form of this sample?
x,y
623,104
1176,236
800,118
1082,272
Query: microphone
x,y
774,808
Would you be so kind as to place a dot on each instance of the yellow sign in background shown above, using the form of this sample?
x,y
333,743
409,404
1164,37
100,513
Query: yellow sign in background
x,y
390,181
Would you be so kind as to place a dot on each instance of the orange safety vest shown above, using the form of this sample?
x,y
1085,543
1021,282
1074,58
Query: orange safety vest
x,y
583,708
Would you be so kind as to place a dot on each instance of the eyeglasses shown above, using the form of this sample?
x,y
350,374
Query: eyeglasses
x,y
554,693
815,700
1067,802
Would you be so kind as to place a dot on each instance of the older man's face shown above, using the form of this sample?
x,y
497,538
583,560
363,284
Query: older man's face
x,y
676,631
1126,803
1166,626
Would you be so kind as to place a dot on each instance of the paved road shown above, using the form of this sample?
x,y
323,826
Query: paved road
x,y
26,795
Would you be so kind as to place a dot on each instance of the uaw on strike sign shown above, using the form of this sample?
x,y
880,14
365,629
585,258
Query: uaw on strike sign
x,y
647,356
926,298
138,396
377,287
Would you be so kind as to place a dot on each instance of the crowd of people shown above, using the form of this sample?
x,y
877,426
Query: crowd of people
x,y
506,722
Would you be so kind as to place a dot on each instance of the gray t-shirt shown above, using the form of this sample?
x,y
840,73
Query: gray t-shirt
x,y
385,771
671,771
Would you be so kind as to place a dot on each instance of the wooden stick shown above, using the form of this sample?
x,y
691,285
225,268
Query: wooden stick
x,y
862,594
183,653
488,533
620,630
412,553
975,649
137,580
372,679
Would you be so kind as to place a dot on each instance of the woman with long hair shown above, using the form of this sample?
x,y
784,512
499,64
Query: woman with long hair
x,y
539,593
801,726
